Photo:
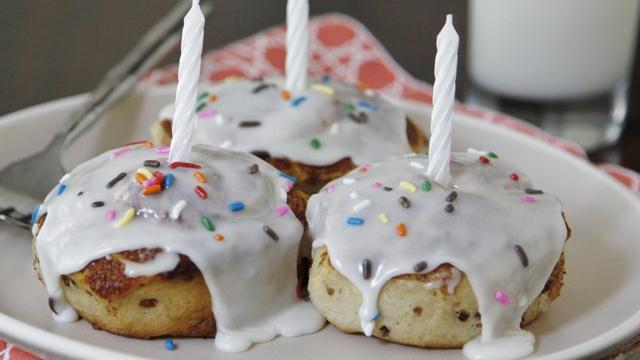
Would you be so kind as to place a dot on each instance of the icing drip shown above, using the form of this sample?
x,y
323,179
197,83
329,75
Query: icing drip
x,y
251,277
473,225
317,126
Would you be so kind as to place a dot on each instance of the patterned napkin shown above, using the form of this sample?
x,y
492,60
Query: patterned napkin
x,y
344,49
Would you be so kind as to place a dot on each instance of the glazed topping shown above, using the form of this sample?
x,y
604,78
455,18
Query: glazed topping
x,y
320,126
226,211
388,219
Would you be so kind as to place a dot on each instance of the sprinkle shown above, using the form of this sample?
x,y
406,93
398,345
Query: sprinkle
x,y
126,218
202,193
145,172
407,186
219,237
80,193
272,234
61,189
353,195
201,106
325,89
359,118
260,88
348,181
484,160
144,143
524,259
502,298
281,210
492,155
150,190
206,222
367,105
120,151
151,163
297,101
533,192
331,188
315,143
250,123
362,85
230,79
34,213
514,177
529,199
426,185
420,267
111,215
387,188
383,217
350,108
364,168
325,78
169,345
285,95
253,169
200,176
203,95
401,229
369,92
213,98
116,179
177,164
140,179
162,149
96,204
175,212
376,185
452,196
235,206
365,268
206,113
404,202
361,205
417,165
449,208
168,181
150,182
355,221
288,177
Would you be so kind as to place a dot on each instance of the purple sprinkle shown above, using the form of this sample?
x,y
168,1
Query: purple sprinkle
x,y
529,199
502,298
331,188
162,149
206,113
120,151
281,210
111,215
377,185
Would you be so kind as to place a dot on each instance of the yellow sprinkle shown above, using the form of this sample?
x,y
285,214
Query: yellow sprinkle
x,y
383,218
230,79
407,186
126,218
145,172
323,89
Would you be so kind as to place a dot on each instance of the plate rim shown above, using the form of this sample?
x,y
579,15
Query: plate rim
x,y
23,333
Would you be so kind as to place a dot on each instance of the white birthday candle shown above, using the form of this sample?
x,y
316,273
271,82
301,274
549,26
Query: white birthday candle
x,y
297,45
444,90
188,79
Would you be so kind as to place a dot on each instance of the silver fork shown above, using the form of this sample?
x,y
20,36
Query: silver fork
x,y
17,191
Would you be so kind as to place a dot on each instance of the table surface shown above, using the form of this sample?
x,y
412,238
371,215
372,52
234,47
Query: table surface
x,y
56,49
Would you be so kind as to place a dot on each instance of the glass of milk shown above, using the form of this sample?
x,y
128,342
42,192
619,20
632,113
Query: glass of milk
x,y
562,64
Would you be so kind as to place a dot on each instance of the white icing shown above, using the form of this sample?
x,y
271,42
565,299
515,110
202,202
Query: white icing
x,y
513,345
251,277
450,281
162,262
287,131
478,237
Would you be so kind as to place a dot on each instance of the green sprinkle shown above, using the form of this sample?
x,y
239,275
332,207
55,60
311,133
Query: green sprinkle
x,y
350,107
315,143
203,95
206,222
426,185
201,106
492,155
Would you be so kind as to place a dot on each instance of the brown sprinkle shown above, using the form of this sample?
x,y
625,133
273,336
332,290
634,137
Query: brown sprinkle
x,y
116,179
260,88
366,269
404,202
449,208
97,204
524,259
533,191
387,188
151,163
420,267
253,169
52,306
359,118
452,196
251,123
272,234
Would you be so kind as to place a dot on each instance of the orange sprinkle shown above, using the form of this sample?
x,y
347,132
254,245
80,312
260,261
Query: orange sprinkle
x,y
200,176
363,85
140,178
153,189
401,229
213,98
285,95
219,237
145,143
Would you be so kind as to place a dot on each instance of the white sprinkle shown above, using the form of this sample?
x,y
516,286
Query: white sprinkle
x,y
63,180
225,145
334,128
476,152
177,210
219,119
348,181
369,93
361,205
417,165
353,195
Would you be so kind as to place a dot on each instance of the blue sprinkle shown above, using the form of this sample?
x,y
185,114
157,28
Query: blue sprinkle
x,y
355,221
34,214
61,189
376,316
288,177
235,206
297,101
168,181
169,345
325,78
367,105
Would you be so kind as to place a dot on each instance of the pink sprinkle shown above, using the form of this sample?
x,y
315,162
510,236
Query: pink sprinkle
x,y
162,149
376,185
289,186
206,113
331,188
281,210
502,298
120,151
111,215
529,199
149,182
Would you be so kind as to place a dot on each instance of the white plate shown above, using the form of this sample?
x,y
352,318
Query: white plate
x,y
599,306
